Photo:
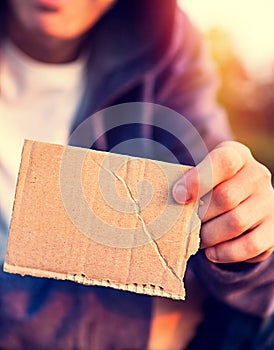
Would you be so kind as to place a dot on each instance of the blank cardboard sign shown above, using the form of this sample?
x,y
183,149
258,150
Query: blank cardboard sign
x,y
100,219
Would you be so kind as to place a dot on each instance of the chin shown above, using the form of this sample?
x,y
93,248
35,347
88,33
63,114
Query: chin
x,y
55,32
60,29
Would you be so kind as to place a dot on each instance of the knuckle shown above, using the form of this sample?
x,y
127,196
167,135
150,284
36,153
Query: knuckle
x,y
230,161
260,175
253,245
243,148
224,197
206,236
233,155
238,147
265,172
236,221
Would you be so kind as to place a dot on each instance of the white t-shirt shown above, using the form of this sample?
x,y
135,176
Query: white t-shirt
x,y
37,101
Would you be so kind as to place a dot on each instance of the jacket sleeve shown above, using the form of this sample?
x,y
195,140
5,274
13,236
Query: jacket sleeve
x,y
187,83
248,287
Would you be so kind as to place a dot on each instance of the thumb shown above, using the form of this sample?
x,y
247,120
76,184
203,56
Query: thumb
x,y
186,189
221,164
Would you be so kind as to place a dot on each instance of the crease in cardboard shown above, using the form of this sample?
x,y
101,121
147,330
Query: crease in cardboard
x,y
137,209
158,252
30,253
134,201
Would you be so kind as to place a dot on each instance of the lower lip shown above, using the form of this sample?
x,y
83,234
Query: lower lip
x,y
49,5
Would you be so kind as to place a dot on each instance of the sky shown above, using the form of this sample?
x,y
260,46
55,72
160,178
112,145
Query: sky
x,y
250,24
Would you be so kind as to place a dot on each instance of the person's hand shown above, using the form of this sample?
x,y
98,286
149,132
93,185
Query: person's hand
x,y
237,210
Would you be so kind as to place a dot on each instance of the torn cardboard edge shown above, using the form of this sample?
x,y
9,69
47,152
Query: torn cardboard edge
x,y
134,287
156,268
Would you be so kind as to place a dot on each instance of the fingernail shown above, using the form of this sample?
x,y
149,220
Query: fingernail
x,y
211,254
180,194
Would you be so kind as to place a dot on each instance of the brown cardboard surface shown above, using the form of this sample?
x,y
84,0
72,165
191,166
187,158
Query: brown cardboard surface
x,y
101,219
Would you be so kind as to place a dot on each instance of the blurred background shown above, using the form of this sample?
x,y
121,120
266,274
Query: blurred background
x,y
240,36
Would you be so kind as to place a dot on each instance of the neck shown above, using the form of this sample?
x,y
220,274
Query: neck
x,y
45,49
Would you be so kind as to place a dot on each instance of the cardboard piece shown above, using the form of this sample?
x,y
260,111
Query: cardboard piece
x,y
100,219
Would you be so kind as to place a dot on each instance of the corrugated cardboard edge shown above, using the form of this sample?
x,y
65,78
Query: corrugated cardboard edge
x,y
142,289
134,287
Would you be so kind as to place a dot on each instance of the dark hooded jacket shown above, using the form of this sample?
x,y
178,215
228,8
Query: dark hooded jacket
x,y
140,51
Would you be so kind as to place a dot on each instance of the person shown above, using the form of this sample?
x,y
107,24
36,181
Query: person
x,y
62,61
